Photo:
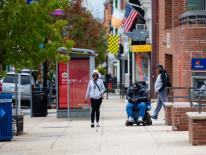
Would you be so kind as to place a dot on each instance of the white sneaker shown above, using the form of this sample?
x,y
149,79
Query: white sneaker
x,y
140,119
97,124
131,119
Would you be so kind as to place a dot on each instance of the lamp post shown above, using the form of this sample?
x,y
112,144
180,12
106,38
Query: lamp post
x,y
107,73
64,51
58,13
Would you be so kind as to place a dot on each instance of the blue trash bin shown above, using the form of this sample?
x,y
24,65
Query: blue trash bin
x,y
5,117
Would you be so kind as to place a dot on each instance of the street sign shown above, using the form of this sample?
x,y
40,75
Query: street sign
x,y
2,112
29,1
138,35
199,64
113,44
141,48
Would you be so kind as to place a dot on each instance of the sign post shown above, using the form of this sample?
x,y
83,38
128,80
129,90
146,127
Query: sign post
x,y
68,92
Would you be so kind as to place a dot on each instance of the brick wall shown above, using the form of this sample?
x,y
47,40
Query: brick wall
x,y
180,119
122,4
168,14
186,42
168,115
197,132
178,7
107,16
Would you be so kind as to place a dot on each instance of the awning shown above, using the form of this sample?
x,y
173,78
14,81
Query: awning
x,y
141,48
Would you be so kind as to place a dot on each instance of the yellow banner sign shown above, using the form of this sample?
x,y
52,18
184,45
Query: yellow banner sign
x,y
113,44
141,48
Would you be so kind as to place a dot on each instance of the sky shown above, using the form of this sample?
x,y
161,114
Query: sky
x,y
96,7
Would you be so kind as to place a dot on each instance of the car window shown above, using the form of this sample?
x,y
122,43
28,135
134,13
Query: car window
x,y
25,79
9,79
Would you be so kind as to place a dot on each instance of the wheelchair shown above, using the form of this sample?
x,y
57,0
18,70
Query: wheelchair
x,y
147,121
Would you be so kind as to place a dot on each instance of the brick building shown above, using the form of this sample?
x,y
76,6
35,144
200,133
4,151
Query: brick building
x,y
179,38
107,15
109,7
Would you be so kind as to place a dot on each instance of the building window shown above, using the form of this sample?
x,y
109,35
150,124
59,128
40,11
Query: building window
x,y
196,5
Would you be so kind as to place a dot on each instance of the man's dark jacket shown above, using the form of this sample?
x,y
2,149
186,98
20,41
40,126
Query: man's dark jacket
x,y
141,94
165,80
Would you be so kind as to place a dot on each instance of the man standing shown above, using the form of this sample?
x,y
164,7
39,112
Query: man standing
x,y
162,82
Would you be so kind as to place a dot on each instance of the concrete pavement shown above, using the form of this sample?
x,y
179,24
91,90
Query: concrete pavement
x,y
52,136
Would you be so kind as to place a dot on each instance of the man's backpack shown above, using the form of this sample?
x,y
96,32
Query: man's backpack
x,y
168,80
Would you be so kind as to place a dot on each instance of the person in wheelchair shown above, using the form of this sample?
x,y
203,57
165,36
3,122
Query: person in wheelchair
x,y
137,96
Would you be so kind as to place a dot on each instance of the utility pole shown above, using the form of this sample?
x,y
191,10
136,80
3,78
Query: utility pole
x,y
155,41
107,74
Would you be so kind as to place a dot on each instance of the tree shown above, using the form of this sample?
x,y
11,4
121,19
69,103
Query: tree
x,y
23,28
85,30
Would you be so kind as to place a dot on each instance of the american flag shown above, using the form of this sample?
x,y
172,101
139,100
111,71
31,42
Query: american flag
x,y
130,16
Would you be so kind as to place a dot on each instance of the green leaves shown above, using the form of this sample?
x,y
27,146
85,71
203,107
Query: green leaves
x,y
85,30
24,27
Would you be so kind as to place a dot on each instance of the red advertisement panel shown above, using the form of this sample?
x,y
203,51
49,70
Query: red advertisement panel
x,y
79,75
138,60
62,85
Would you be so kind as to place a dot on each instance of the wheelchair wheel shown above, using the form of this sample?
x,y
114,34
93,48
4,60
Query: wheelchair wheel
x,y
128,123
148,119
144,123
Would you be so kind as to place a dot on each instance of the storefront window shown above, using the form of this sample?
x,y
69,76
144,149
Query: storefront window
x,y
196,5
142,67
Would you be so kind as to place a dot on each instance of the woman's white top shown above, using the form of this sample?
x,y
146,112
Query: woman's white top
x,y
93,91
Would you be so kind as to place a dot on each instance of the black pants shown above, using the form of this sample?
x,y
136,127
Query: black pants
x,y
95,104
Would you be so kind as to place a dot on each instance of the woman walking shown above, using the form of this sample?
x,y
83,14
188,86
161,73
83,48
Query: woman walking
x,y
95,92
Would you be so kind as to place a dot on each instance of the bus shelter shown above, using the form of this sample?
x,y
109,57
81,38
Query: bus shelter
x,y
72,81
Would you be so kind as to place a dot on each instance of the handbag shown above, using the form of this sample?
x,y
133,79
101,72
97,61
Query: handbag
x,y
102,95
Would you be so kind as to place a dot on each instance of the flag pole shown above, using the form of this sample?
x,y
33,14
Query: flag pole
x,y
139,6
138,12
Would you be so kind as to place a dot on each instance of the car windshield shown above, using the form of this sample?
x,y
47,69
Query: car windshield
x,y
9,79
25,79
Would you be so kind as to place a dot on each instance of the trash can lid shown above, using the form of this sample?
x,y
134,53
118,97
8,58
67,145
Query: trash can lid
x,y
5,98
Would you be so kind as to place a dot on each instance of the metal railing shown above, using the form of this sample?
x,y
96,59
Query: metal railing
x,y
200,96
172,97
192,95
123,91
193,17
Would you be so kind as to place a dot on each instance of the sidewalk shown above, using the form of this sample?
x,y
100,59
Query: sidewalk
x,y
52,136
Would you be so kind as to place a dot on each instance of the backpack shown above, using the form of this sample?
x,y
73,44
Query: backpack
x,y
168,80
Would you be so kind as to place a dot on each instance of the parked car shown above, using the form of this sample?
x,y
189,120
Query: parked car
x,y
8,85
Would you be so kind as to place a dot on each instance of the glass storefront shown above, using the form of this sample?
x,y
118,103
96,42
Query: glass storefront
x,y
196,5
142,67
